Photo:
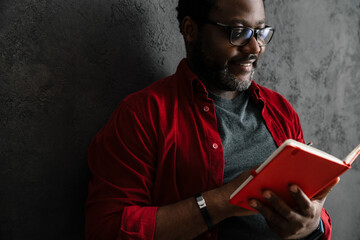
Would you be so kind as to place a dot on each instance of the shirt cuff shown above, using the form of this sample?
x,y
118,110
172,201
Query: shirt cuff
x,y
325,217
138,223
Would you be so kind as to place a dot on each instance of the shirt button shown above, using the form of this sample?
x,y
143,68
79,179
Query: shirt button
x,y
206,109
215,146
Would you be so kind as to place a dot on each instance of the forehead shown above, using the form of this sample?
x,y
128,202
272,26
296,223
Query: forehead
x,y
246,12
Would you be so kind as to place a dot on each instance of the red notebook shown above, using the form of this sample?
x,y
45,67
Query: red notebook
x,y
292,163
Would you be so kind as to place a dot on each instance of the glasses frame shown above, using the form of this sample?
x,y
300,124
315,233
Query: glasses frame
x,y
254,32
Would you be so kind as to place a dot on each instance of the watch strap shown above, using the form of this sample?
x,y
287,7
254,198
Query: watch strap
x,y
204,212
318,233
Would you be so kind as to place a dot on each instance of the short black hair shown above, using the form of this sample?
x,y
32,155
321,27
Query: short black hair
x,y
197,10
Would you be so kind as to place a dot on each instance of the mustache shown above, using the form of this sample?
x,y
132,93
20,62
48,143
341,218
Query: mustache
x,y
254,57
250,57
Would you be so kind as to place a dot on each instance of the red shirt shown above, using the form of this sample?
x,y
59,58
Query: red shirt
x,y
160,146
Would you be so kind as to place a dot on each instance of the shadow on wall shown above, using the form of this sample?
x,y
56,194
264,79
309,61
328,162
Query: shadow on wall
x,y
64,67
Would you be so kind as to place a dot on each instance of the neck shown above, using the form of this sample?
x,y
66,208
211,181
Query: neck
x,y
228,95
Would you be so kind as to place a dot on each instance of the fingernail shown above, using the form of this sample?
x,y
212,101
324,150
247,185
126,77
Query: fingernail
x,y
253,203
293,189
267,195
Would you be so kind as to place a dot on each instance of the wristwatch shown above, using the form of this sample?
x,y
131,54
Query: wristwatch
x,y
318,233
204,212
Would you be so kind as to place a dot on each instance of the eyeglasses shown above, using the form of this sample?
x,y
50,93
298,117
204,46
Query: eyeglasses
x,y
241,35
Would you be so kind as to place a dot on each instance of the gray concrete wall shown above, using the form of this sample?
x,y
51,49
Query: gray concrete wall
x,y
314,62
65,65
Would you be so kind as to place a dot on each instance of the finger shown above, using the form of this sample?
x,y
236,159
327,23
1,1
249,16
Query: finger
x,y
282,226
269,214
323,193
280,206
241,212
303,202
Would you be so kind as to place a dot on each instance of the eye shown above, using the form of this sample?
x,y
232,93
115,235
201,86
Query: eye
x,y
241,33
264,32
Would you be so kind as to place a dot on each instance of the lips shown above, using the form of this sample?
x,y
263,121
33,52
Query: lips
x,y
241,67
246,64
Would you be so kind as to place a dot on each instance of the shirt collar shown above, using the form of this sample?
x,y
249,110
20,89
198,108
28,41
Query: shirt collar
x,y
192,84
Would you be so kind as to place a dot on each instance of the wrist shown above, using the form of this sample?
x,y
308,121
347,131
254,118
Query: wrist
x,y
318,233
204,211
218,204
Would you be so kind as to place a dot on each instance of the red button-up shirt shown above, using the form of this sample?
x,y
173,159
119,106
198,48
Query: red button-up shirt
x,y
161,146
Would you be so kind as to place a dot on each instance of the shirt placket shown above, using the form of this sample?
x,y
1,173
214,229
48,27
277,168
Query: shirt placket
x,y
213,145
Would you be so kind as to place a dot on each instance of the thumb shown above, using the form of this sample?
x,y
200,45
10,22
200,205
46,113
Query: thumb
x,y
323,193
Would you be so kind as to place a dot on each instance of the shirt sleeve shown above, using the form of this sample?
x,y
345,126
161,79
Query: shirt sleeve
x,y
298,130
122,161
325,217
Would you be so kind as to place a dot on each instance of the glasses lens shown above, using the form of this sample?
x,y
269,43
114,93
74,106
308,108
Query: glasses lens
x,y
240,36
264,36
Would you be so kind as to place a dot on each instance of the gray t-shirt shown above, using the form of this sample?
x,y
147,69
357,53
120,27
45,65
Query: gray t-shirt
x,y
247,143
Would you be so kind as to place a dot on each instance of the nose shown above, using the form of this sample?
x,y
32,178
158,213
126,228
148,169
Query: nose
x,y
252,47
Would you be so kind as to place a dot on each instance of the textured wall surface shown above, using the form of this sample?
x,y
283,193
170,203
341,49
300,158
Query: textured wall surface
x,y
314,62
65,65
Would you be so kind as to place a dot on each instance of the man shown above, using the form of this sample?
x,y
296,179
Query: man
x,y
184,140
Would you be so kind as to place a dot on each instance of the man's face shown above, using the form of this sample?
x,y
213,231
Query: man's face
x,y
221,65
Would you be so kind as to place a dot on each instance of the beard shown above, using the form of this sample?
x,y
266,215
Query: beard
x,y
216,75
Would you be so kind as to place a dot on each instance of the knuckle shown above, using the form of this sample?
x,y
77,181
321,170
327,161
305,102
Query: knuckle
x,y
310,212
301,225
289,214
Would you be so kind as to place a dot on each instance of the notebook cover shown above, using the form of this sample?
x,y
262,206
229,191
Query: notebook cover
x,y
292,165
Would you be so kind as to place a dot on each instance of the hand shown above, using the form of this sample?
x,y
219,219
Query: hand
x,y
229,188
293,223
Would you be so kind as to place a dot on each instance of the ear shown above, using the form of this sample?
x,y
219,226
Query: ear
x,y
189,29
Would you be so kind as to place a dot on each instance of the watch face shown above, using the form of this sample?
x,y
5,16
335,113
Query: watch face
x,y
201,201
204,212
